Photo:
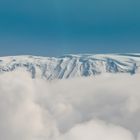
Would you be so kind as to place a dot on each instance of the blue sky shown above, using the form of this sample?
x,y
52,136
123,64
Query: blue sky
x,y
57,27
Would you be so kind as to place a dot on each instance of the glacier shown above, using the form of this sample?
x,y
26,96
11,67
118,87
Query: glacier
x,y
69,66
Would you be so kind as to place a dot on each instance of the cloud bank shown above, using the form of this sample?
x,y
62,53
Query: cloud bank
x,y
105,107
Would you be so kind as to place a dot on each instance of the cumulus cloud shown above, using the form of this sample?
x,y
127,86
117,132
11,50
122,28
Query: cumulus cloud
x,y
105,107
97,130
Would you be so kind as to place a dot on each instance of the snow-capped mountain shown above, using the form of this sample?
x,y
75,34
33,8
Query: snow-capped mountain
x,y
69,66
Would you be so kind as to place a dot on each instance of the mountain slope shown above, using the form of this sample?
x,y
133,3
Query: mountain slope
x,y
69,66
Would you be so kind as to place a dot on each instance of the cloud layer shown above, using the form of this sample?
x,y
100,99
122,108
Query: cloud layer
x,y
105,107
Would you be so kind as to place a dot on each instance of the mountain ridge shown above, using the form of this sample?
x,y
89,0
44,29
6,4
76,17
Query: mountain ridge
x,y
72,65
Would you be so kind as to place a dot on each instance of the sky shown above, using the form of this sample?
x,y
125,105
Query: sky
x,y
58,27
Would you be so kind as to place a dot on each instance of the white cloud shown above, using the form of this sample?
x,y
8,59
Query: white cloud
x,y
105,107
97,130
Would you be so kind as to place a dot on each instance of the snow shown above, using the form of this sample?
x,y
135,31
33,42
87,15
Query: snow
x,y
69,66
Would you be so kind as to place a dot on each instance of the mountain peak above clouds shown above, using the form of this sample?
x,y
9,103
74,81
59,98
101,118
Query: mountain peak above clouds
x,y
69,66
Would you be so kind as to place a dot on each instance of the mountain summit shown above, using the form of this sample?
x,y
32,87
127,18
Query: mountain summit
x,y
69,66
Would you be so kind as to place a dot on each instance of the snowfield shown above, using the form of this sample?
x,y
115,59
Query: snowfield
x,y
70,66
36,106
